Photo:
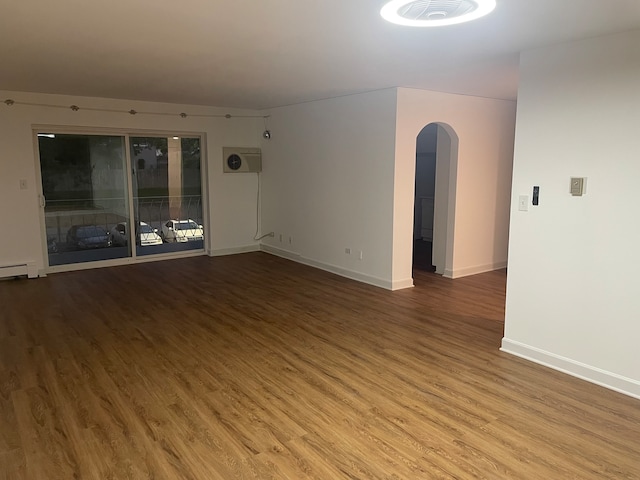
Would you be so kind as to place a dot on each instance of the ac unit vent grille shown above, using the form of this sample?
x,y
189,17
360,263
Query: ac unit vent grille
x,y
241,160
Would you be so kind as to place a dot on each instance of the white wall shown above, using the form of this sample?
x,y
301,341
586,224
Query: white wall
x,y
572,296
328,184
444,199
485,128
232,211
340,173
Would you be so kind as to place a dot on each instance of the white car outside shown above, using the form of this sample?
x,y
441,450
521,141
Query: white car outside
x,y
182,231
145,235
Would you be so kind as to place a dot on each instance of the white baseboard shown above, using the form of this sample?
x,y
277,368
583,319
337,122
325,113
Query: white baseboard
x,y
281,252
18,269
343,272
465,272
234,251
606,379
402,284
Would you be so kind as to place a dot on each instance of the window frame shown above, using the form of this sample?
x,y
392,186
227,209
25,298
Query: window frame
x,y
126,134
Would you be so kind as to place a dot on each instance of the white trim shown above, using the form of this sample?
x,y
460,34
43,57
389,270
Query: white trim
x,y
44,262
234,251
343,272
401,284
281,252
18,269
167,256
118,262
128,196
612,381
109,131
465,272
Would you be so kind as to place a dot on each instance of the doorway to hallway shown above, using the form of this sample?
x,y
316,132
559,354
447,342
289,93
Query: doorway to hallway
x,y
434,198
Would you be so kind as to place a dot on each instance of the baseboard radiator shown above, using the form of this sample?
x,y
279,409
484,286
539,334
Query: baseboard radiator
x,y
18,269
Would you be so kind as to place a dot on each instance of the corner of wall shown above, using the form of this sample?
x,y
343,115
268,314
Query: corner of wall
x,y
571,367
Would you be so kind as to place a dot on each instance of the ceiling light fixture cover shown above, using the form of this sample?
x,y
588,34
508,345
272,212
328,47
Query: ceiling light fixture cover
x,y
435,13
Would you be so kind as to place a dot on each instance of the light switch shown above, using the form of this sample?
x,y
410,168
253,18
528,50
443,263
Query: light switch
x,y
578,185
523,203
23,184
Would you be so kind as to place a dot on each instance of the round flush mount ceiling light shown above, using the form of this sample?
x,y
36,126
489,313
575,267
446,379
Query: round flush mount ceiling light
x,y
435,13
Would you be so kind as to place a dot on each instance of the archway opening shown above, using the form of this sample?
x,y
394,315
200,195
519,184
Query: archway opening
x,y
434,200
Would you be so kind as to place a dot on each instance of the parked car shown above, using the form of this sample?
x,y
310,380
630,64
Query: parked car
x,y
182,231
87,236
145,235
52,245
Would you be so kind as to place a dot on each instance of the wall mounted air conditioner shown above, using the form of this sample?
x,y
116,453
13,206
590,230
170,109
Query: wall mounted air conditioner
x,y
241,160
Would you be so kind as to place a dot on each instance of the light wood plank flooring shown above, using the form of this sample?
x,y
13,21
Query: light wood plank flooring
x,y
253,367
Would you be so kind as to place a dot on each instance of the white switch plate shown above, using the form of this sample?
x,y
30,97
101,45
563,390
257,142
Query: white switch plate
x,y
523,203
578,186
23,184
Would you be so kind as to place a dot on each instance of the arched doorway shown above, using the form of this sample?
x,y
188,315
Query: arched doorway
x,y
434,201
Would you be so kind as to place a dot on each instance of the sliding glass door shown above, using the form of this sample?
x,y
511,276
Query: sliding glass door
x,y
85,193
167,194
93,210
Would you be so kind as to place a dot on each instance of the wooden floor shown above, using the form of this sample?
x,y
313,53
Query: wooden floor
x,y
253,367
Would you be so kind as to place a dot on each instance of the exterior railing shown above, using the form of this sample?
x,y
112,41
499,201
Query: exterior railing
x,y
60,216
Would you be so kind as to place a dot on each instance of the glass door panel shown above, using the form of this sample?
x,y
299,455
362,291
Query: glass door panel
x,y
167,194
85,190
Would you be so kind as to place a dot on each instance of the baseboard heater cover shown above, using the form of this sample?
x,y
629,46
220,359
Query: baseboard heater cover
x,y
18,269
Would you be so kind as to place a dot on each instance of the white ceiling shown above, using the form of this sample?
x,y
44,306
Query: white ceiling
x,y
265,53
